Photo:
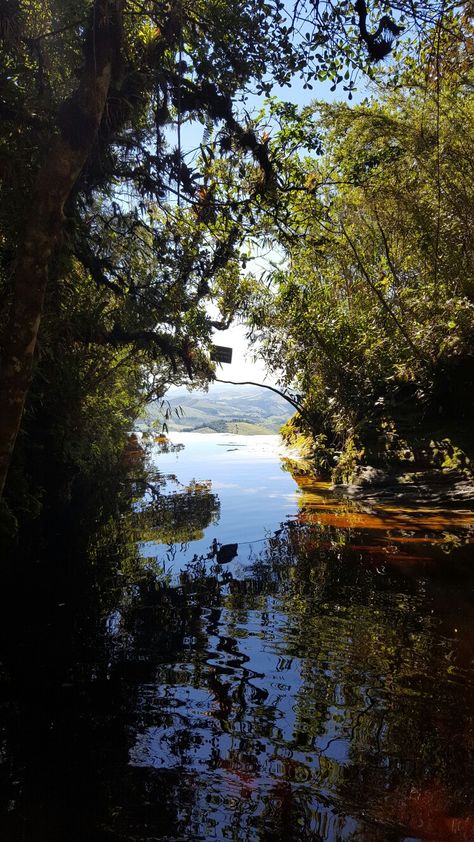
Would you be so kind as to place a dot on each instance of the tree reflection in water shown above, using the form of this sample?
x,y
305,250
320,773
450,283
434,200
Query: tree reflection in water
x,y
313,697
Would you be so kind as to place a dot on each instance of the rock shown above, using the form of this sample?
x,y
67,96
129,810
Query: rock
x,y
366,476
432,486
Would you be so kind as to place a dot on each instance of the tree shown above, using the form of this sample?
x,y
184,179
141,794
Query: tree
x,y
372,319
89,92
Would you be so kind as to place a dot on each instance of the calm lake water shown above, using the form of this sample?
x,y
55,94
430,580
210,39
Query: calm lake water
x,y
275,664
247,473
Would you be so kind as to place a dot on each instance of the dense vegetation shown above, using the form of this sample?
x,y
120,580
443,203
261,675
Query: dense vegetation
x,y
114,241
371,318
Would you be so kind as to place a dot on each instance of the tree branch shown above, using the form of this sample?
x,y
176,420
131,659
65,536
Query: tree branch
x,y
286,397
378,43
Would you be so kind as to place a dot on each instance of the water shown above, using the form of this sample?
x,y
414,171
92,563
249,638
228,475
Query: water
x,y
317,685
255,493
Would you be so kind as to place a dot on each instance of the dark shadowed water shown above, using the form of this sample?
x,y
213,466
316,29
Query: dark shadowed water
x,y
274,664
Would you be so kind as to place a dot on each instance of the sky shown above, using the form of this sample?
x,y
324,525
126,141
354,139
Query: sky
x,y
243,366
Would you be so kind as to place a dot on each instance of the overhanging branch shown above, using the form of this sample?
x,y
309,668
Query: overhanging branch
x,y
286,397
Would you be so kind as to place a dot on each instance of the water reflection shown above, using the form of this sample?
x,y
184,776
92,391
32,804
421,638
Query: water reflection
x,y
182,516
403,535
323,691
326,691
318,690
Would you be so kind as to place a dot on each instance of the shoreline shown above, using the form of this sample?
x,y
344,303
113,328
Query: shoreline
x,y
429,486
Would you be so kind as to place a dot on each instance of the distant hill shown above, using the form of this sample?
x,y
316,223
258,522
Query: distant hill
x,y
239,409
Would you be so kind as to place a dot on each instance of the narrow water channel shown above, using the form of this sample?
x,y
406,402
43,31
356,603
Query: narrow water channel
x,y
283,665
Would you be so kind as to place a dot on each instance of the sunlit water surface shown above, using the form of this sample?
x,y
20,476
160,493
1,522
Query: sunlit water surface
x,y
302,670
255,493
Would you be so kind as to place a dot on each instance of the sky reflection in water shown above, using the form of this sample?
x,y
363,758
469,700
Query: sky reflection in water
x,y
324,688
319,686
246,473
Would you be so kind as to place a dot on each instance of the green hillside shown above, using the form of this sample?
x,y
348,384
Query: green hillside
x,y
244,410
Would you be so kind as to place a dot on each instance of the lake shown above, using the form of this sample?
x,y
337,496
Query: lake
x,y
276,663
255,493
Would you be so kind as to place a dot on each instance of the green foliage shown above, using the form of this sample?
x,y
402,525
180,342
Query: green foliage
x,y
149,237
372,318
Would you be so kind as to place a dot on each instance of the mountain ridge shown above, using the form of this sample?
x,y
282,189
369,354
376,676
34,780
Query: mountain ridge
x,y
248,410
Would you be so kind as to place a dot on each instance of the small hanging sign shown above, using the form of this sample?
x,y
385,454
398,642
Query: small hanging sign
x,y
221,354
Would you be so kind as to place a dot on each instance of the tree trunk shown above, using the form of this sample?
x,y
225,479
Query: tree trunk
x,y
79,119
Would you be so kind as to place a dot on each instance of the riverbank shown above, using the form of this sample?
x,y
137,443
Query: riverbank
x,y
429,470
429,486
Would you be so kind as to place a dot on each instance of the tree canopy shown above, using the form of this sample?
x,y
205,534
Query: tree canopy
x,y
371,316
113,239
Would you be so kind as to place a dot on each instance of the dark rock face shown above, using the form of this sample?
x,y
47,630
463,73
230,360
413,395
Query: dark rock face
x,y
367,476
433,486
